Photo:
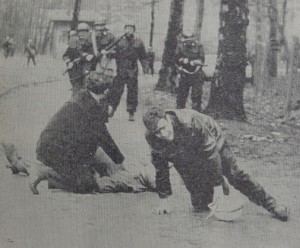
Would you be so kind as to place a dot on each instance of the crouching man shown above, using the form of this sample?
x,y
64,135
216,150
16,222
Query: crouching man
x,y
196,146
69,143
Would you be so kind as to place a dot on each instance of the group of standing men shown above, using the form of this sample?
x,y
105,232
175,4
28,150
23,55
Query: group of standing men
x,y
83,55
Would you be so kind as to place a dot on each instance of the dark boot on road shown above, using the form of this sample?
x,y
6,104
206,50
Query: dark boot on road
x,y
131,117
280,212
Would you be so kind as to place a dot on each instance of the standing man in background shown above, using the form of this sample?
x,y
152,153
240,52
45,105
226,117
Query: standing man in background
x,y
128,50
79,57
151,59
30,51
103,36
189,61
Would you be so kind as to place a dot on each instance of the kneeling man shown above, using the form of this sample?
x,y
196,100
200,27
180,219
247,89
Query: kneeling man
x,y
196,146
70,140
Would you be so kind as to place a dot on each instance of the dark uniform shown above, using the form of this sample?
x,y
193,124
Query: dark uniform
x,y
151,59
103,39
81,66
30,51
70,140
8,48
198,139
127,53
191,75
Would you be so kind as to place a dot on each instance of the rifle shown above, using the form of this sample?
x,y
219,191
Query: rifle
x,y
199,66
76,61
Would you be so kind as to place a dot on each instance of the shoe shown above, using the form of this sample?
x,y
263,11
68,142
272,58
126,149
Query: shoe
x,y
131,117
33,189
281,212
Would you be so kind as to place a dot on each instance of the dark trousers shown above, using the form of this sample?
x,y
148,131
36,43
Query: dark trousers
x,y
185,83
31,57
151,68
200,180
110,178
117,90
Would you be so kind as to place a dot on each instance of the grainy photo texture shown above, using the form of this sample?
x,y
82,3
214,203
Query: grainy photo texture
x,y
149,123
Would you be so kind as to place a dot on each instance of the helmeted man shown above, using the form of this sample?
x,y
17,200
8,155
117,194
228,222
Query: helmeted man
x,y
79,57
103,36
128,51
30,51
189,61
198,149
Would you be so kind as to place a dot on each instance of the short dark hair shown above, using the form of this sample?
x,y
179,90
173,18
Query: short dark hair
x,y
151,118
96,82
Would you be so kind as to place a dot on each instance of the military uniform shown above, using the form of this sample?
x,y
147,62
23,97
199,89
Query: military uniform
x,y
76,54
127,53
197,141
151,58
103,39
191,75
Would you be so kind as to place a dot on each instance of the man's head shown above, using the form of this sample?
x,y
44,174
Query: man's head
x,y
100,25
83,31
158,123
96,83
129,29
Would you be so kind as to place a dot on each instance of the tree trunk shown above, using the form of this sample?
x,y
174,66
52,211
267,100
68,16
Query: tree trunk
x,y
152,22
165,81
292,77
274,44
226,98
261,52
75,19
199,19
283,41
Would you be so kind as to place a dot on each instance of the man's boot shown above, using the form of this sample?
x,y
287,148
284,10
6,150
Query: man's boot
x,y
131,116
280,212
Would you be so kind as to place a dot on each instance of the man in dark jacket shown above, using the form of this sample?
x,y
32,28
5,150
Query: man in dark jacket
x,y
79,56
196,146
128,51
189,61
70,140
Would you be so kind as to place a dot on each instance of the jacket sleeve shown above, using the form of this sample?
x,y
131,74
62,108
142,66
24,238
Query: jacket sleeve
x,y
163,185
109,146
209,142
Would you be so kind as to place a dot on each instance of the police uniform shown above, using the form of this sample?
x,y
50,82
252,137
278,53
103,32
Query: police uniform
x,y
191,75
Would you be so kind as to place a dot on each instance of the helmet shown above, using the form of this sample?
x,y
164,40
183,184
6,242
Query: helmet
x,y
101,21
130,23
83,27
73,33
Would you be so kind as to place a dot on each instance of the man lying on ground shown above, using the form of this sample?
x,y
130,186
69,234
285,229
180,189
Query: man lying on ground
x,y
69,143
196,146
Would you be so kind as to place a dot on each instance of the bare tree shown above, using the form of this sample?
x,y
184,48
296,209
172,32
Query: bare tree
x,y
199,18
226,98
168,59
76,14
274,45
